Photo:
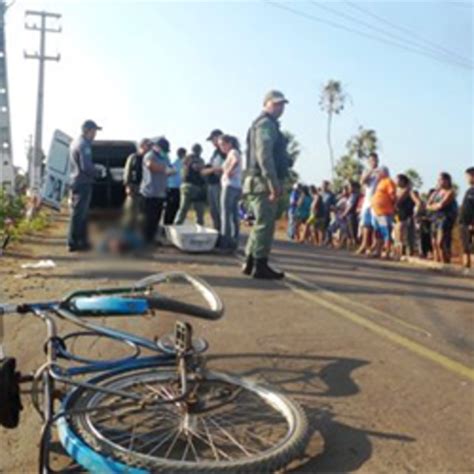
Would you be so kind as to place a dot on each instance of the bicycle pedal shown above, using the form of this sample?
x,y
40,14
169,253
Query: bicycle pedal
x,y
183,337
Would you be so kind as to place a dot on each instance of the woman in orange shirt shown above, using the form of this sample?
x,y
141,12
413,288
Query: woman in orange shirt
x,y
383,209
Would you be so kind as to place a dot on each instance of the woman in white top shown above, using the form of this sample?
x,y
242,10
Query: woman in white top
x,y
231,182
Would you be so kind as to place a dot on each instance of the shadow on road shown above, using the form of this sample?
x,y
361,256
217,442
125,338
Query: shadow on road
x,y
315,381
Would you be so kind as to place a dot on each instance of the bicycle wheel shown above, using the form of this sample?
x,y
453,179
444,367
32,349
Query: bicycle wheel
x,y
233,426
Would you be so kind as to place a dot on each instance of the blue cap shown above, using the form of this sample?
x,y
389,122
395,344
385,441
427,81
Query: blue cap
x,y
90,125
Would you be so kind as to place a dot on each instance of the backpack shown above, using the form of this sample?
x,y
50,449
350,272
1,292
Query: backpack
x,y
135,170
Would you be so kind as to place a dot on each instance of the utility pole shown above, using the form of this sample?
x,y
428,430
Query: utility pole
x,y
7,172
35,178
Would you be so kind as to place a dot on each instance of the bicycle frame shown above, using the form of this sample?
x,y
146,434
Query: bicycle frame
x,y
103,302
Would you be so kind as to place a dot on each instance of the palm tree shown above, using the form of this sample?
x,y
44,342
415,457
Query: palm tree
x,y
332,101
362,144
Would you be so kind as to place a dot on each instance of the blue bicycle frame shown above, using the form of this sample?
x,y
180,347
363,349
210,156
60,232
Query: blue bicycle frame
x,y
137,300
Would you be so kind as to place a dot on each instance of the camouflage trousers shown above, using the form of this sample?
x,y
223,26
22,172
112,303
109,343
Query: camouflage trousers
x,y
261,236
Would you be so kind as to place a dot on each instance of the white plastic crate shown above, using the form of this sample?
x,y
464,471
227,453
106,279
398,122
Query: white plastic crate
x,y
192,237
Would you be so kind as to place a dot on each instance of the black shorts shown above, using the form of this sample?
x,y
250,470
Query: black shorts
x,y
467,237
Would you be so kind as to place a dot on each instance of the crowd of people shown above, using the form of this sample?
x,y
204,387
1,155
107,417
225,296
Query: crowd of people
x,y
376,216
383,217
161,189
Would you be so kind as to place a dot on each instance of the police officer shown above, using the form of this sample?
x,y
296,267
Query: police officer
x,y
267,167
82,174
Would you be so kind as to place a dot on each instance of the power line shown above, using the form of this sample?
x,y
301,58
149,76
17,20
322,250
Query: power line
x,y
339,26
408,30
397,37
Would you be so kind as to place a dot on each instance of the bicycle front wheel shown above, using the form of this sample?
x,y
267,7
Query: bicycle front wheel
x,y
232,424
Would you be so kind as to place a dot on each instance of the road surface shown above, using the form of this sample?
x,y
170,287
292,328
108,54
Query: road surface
x,y
379,354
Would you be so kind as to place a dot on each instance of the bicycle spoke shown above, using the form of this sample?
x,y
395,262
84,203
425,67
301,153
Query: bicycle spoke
x,y
230,437
225,423
173,443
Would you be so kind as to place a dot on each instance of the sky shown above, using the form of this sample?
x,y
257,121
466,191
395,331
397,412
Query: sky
x,y
180,69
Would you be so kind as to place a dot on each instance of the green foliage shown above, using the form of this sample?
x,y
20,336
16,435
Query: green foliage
x,y
294,150
359,147
347,169
332,101
293,147
362,144
12,208
415,178
332,98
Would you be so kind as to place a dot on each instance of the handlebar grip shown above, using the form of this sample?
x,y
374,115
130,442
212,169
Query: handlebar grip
x,y
174,306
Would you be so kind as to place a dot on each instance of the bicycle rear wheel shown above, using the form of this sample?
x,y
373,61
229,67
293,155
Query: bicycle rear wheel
x,y
233,426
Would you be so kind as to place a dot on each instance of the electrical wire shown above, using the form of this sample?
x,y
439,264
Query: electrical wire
x,y
342,27
404,29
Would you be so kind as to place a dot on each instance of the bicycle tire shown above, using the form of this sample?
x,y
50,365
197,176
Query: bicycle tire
x,y
278,456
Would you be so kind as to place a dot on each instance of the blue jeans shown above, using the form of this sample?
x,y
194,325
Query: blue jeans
x,y
230,219
81,199
214,200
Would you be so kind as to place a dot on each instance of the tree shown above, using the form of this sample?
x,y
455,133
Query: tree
x,y
359,147
293,147
332,101
362,144
414,177
293,150
347,169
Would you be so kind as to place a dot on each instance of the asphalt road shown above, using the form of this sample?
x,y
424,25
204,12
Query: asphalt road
x,y
379,354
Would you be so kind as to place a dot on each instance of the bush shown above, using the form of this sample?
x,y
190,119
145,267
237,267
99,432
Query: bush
x,y
13,217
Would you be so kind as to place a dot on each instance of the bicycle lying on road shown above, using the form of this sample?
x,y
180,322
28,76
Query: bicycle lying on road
x,y
162,411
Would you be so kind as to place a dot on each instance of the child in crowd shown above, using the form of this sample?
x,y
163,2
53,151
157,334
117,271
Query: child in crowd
x,y
423,222
302,213
442,204
338,223
383,208
350,213
404,226
315,224
466,219
292,210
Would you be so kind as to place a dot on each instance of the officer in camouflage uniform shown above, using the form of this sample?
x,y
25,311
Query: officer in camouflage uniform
x,y
267,167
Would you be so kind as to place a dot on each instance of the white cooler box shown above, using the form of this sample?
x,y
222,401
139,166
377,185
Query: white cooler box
x,y
192,237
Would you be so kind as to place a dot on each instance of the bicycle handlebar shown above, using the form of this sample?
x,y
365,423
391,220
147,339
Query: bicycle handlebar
x,y
126,301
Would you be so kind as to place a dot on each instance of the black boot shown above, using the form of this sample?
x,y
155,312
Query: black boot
x,y
264,272
247,268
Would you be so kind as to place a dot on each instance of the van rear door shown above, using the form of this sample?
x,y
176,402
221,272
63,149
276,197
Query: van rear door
x,y
56,176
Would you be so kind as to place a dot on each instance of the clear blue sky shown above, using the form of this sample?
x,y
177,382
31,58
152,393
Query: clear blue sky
x,y
183,68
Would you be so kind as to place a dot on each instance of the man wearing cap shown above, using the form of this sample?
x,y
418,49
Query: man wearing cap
x,y
267,167
82,175
153,185
193,187
213,171
132,178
